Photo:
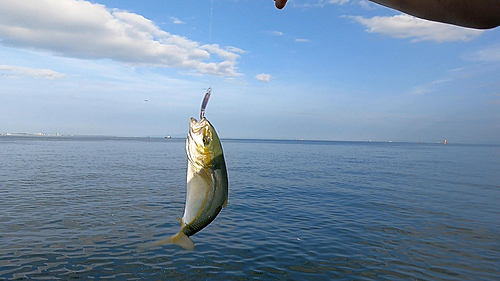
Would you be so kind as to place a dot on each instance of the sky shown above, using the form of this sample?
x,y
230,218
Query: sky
x,y
347,70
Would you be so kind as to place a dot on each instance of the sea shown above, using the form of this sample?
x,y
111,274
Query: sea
x,y
82,208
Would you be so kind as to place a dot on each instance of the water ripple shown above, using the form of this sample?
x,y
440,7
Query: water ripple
x,y
80,208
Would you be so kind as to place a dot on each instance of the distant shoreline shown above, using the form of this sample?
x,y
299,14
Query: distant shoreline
x,y
318,141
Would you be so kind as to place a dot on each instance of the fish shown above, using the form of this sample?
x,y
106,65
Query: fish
x,y
207,180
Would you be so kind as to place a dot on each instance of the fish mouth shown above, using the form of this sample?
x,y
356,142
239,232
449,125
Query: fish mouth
x,y
196,127
197,148
199,131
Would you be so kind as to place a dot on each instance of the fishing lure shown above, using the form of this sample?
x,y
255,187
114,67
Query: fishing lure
x,y
205,102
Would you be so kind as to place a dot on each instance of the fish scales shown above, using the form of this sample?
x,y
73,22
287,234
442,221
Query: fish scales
x,y
207,182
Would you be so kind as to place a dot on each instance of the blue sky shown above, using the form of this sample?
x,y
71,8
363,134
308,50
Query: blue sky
x,y
329,70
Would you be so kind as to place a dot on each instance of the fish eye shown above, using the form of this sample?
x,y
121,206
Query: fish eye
x,y
206,140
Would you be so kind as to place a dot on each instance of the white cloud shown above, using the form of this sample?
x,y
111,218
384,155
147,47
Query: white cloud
x,y
320,3
405,26
340,2
263,77
301,40
235,50
32,72
365,5
430,87
83,29
489,54
176,20
236,81
276,33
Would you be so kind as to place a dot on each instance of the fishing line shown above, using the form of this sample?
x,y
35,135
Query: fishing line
x,y
211,17
209,90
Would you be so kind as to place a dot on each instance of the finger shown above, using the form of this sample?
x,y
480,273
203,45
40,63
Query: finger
x,y
280,3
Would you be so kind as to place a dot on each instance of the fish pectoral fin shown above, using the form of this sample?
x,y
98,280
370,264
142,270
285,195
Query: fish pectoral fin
x,y
182,222
205,175
224,205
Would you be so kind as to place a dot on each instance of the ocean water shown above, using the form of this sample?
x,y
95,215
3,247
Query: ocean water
x,y
80,208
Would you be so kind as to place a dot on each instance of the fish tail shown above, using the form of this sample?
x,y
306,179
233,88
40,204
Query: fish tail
x,y
179,239
182,240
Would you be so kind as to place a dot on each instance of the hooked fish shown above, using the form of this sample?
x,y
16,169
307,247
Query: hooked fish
x,y
207,183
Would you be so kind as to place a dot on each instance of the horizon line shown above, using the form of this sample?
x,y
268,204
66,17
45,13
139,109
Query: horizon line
x,y
21,134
